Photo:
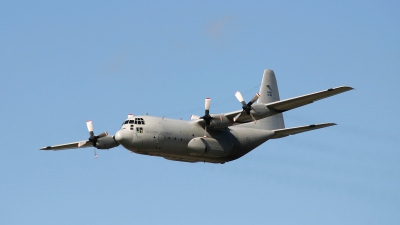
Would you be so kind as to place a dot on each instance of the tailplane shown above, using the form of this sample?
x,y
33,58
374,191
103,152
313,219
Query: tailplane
x,y
280,133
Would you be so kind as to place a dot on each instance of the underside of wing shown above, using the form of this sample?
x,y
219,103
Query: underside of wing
x,y
72,145
280,133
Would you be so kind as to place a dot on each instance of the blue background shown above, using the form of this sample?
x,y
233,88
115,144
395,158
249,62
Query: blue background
x,y
65,62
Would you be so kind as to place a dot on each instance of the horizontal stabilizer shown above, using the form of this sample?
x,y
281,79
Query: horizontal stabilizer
x,y
280,133
79,144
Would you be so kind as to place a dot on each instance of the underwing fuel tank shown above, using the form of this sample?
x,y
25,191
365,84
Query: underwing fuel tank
x,y
208,147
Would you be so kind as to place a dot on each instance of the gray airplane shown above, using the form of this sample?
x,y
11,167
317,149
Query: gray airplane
x,y
213,138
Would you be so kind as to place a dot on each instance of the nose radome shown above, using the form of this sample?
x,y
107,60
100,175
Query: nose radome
x,y
121,136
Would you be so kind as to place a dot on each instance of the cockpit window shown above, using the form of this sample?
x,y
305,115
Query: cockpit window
x,y
139,121
134,121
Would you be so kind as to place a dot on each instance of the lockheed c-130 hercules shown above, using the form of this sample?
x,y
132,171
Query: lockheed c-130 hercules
x,y
213,138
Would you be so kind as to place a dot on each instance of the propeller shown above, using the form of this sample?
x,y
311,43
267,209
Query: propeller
x,y
207,118
92,138
246,107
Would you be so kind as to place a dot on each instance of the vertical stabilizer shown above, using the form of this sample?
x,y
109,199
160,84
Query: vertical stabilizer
x,y
269,93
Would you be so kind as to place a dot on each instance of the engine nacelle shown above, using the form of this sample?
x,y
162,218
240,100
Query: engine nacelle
x,y
219,121
259,110
209,147
106,142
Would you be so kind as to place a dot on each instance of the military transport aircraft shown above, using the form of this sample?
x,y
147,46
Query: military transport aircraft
x,y
213,138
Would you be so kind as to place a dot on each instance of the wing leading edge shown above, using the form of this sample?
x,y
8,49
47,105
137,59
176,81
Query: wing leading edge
x,y
292,103
72,145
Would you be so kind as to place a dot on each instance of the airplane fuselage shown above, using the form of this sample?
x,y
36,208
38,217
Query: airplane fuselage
x,y
188,141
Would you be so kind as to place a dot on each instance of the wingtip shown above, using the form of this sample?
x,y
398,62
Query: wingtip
x,y
322,124
348,88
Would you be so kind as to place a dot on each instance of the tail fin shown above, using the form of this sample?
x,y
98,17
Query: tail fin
x,y
269,93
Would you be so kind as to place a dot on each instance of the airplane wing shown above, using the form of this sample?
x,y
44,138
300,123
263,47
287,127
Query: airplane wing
x,y
288,104
280,133
78,144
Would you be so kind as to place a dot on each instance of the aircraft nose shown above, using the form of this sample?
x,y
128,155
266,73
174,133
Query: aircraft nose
x,y
122,137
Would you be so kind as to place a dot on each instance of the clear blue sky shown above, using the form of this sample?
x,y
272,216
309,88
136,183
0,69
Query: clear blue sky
x,y
64,62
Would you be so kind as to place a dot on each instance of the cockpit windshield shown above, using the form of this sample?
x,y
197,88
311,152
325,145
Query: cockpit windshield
x,y
135,121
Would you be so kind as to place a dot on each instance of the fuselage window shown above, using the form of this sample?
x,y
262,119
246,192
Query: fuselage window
x,y
139,130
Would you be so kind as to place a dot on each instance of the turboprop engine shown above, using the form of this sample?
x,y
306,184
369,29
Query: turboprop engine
x,y
259,110
213,120
106,142
219,121
101,141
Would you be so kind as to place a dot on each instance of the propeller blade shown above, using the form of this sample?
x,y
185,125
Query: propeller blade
x,y
105,133
254,119
255,98
240,98
207,104
207,118
89,125
236,117
82,143
194,117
